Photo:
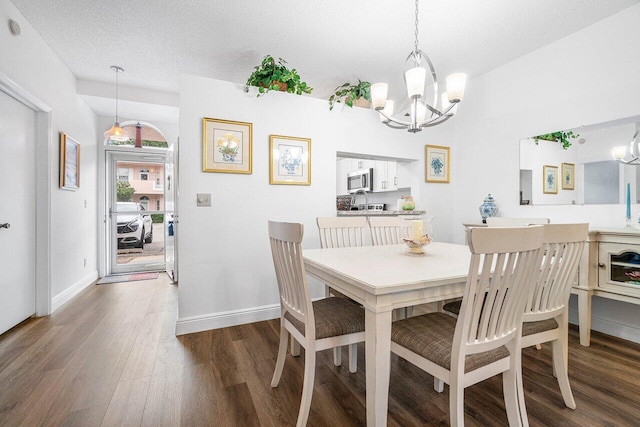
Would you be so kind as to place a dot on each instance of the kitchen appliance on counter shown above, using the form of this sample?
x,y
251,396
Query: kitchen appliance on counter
x,y
372,207
360,180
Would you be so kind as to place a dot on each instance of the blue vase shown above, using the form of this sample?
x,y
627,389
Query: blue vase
x,y
488,208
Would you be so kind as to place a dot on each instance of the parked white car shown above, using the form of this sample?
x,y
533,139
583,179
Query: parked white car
x,y
134,228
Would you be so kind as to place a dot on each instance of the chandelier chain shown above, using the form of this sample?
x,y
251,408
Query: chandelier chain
x,y
416,44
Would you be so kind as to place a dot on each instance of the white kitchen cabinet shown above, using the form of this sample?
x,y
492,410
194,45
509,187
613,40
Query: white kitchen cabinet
x,y
343,167
404,174
357,164
385,176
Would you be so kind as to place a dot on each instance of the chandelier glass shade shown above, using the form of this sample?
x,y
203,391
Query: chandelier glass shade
x,y
116,133
620,153
421,113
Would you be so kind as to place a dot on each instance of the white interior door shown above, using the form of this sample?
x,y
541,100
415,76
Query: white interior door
x,y
17,212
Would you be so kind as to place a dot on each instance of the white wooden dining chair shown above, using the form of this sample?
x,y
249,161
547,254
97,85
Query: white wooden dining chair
x,y
342,232
546,312
388,230
485,338
323,324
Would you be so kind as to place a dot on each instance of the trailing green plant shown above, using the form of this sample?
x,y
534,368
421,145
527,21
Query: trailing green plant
x,y
349,92
274,75
559,136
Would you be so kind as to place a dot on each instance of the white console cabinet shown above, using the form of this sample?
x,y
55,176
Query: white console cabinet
x,y
610,268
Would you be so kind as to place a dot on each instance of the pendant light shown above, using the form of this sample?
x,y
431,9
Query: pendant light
x,y
421,113
116,133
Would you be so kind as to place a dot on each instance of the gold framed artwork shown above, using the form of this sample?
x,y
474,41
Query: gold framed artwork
x,y
550,179
69,163
226,146
568,176
436,161
289,160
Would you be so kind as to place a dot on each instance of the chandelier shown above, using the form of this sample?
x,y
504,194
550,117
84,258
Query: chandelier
x,y
415,79
116,133
619,153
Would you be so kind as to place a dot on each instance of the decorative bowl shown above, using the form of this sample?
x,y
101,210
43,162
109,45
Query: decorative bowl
x,y
416,245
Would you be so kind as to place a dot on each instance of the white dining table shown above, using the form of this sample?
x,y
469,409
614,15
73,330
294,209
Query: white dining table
x,y
383,278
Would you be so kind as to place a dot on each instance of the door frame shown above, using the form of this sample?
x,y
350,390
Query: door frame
x,y
43,150
104,175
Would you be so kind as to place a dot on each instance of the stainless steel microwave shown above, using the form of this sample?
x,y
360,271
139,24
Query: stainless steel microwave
x,y
360,180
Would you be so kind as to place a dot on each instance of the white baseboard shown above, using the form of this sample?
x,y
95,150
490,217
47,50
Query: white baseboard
x,y
73,290
190,325
608,327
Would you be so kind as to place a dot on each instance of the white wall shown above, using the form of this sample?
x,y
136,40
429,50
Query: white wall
x,y
588,77
29,62
226,272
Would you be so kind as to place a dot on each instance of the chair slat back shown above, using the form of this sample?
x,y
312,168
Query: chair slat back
x,y
388,230
563,247
342,232
286,250
503,269
500,221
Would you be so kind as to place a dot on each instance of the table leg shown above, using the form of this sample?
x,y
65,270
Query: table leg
x,y
378,364
584,316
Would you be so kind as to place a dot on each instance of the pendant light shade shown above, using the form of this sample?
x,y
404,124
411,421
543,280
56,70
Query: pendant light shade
x,y
116,133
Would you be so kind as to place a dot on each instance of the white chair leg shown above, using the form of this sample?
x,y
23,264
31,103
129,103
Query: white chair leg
x,y
282,355
560,368
438,385
514,395
307,387
337,356
456,402
353,358
409,312
538,346
295,347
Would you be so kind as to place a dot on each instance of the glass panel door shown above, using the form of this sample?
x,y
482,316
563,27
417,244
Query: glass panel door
x,y
137,214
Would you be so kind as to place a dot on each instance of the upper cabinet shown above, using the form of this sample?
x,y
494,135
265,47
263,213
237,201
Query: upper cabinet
x,y
387,175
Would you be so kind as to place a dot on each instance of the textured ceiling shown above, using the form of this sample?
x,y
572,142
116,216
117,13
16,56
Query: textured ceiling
x,y
328,42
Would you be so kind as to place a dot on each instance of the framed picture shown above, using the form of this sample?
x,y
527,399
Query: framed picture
x,y
289,160
436,161
550,179
568,176
226,146
69,163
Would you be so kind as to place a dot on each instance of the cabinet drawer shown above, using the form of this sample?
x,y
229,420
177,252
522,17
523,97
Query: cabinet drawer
x,y
619,268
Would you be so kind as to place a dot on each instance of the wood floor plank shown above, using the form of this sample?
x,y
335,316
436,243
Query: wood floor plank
x,y
127,405
110,357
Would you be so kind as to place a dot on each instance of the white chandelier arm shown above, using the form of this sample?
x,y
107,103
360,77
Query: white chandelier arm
x,y
395,126
634,161
400,122
435,122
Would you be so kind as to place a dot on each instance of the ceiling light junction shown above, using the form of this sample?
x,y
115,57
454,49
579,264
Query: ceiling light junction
x,y
116,133
415,79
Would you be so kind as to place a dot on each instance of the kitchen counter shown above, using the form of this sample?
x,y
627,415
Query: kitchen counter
x,y
379,213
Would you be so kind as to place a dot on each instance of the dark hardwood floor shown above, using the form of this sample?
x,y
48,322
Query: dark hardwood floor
x,y
110,357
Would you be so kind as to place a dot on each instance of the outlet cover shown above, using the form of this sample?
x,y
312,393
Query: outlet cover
x,y
203,199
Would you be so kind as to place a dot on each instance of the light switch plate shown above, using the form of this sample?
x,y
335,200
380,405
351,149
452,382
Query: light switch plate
x,y
203,199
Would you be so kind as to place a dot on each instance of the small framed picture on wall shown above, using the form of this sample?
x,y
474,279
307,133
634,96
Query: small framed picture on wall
x,y
289,160
436,161
69,163
550,179
568,176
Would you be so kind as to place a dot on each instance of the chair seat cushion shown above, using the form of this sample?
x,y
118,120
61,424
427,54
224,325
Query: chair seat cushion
x,y
530,328
334,316
453,307
431,336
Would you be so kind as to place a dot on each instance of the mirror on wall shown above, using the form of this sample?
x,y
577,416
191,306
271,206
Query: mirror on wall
x,y
579,170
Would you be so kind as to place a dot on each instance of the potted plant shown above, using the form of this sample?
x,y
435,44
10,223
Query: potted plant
x,y
560,136
274,75
352,94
